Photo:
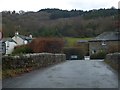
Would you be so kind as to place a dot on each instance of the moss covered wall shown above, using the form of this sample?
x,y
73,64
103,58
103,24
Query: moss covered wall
x,y
36,60
113,60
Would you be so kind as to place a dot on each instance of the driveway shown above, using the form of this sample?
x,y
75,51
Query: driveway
x,y
70,74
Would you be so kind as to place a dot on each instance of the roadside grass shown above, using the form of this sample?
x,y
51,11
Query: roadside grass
x,y
71,41
7,73
14,72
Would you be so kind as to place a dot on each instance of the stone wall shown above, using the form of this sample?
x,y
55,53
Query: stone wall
x,y
113,60
36,60
97,46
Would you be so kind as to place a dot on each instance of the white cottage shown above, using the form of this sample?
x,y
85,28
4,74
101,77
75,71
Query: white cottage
x,y
21,40
2,47
9,45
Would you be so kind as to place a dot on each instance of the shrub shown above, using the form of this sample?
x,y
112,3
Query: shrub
x,y
49,45
99,55
73,51
23,49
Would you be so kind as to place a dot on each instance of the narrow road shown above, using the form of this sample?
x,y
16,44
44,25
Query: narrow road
x,y
70,74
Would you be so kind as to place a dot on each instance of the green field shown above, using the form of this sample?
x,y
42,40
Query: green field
x,y
72,41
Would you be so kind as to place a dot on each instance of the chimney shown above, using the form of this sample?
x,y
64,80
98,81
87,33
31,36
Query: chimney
x,y
17,33
30,36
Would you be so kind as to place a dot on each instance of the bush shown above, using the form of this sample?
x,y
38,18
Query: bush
x,y
69,51
23,49
99,55
49,45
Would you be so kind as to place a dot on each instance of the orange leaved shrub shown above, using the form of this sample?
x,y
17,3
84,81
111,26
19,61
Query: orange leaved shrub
x,y
49,45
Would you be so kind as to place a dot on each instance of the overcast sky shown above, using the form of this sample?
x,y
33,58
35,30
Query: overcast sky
x,y
35,5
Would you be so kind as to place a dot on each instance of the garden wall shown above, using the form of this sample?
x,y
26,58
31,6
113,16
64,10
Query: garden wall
x,y
113,60
35,60
16,65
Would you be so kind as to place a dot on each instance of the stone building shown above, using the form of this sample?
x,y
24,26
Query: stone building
x,y
104,41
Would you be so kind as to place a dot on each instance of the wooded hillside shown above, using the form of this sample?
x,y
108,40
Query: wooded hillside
x,y
56,22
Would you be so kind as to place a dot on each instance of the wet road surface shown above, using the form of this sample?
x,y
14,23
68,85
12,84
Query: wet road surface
x,y
70,74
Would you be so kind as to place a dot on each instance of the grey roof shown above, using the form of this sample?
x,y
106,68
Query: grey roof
x,y
24,37
107,36
8,39
82,41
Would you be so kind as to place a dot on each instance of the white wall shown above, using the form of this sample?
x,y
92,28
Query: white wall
x,y
18,40
25,42
0,46
10,47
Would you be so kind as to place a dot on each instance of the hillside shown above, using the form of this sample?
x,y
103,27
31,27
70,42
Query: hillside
x,y
56,22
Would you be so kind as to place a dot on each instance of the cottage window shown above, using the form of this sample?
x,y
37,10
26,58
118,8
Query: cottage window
x,y
103,43
93,51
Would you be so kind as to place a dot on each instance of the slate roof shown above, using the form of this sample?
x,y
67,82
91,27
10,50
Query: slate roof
x,y
24,37
8,39
108,36
82,41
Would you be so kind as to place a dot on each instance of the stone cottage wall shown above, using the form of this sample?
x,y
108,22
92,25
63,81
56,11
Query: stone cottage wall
x,y
36,60
97,46
113,60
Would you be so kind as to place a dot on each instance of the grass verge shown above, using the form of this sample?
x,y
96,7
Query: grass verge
x,y
71,41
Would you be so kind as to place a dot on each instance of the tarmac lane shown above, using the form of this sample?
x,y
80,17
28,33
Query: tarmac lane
x,y
70,74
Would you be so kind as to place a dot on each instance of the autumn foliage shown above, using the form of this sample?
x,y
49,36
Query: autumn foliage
x,y
49,45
